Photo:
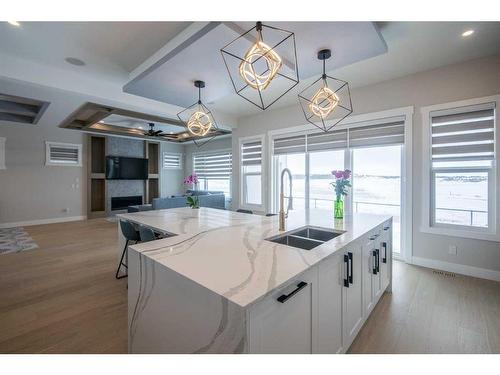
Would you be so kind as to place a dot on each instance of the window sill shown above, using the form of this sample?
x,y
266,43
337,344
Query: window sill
x,y
461,233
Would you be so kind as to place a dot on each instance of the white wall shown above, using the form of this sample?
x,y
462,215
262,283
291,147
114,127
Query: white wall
x,y
171,179
471,79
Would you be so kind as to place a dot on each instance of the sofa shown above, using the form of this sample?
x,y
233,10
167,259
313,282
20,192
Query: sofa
x,y
212,199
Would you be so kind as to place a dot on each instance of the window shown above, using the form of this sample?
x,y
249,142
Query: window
x,y
63,154
214,171
373,150
251,172
2,153
172,160
462,158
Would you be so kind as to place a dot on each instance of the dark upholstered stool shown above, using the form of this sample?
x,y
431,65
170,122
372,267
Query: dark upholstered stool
x,y
130,234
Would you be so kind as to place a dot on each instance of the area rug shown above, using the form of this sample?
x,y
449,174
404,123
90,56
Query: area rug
x,y
15,240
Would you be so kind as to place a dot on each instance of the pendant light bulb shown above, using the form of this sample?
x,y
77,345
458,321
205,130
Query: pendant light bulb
x,y
323,102
199,123
260,53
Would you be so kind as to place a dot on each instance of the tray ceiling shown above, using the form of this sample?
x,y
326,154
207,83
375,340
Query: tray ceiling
x,y
171,78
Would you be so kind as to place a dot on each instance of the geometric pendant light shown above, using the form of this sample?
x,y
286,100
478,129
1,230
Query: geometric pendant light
x,y
199,119
327,101
262,64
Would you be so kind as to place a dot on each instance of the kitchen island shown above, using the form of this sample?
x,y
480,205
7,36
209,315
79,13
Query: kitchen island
x,y
224,283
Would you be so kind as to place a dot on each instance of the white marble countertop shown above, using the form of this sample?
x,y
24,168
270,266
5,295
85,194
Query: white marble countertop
x,y
227,253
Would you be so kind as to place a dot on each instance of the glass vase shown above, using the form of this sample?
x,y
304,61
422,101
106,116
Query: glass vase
x,y
338,211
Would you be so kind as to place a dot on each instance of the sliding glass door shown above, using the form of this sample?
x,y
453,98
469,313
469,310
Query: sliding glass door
x,y
321,165
373,151
377,184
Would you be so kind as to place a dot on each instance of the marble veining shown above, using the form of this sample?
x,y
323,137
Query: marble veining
x,y
227,252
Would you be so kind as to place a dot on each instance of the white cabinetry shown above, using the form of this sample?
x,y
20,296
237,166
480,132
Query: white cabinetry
x,y
385,256
332,273
352,301
368,274
286,320
323,310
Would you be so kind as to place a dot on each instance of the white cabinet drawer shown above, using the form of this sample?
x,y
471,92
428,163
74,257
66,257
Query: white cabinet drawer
x,y
286,320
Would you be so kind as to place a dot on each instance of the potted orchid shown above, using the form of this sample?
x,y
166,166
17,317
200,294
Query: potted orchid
x,y
340,185
192,181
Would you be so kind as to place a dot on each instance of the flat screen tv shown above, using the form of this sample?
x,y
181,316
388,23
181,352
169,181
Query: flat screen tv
x,y
123,168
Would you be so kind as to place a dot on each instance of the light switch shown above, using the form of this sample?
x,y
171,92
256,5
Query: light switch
x,y
452,250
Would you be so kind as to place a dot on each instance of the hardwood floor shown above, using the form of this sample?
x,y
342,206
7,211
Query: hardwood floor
x,y
63,298
433,312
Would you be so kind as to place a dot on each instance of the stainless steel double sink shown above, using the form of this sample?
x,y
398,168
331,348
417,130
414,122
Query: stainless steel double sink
x,y
306,238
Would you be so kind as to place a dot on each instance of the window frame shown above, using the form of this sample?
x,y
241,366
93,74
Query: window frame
x,y
428,224
49,162
205,180
3,140
243,188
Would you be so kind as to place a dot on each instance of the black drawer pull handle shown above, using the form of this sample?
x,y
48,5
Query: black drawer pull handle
x,y
350,267
387,228
346,262
384,259
285,297
378,260
374,253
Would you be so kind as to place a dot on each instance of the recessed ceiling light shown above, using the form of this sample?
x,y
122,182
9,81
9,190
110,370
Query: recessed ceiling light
x,y
468,33
14,23
74,61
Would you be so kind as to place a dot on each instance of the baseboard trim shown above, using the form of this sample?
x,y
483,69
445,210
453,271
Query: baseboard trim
x,y
481,273
42,221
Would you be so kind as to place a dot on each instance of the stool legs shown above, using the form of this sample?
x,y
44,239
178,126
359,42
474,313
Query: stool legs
x,y
121,263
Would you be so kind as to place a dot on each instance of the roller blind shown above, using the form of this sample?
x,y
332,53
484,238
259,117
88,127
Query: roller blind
x,y
463,136
213,166
290,145
63,154
172,160
327,141
251,153
391,133
378,134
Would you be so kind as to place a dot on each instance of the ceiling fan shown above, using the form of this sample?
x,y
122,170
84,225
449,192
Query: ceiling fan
x,y
152,132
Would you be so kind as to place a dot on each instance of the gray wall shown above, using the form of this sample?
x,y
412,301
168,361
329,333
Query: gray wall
x,y
467,80
29,190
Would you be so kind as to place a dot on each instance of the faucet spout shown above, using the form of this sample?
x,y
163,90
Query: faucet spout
x,y
282,214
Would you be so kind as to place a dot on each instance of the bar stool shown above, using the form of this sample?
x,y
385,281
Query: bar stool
x,y
130,234
147,234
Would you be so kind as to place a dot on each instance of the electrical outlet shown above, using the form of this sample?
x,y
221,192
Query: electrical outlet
x,y
452,250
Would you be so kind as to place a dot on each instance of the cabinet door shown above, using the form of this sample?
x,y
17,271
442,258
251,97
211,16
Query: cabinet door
x,y
376,279
385,256
368,264
352,307
286,320
331,275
